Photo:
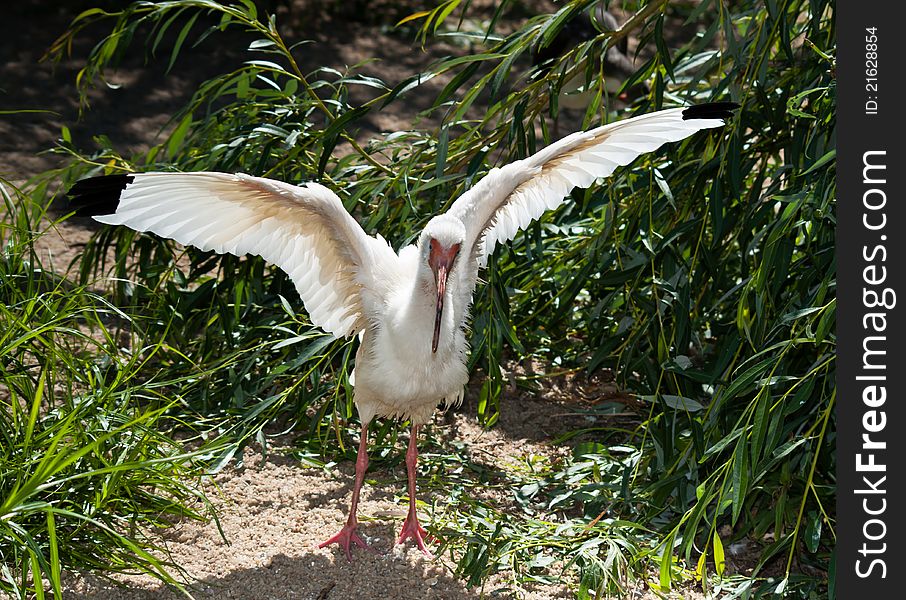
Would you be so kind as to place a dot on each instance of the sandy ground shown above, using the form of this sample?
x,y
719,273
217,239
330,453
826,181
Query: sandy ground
x,y
275,513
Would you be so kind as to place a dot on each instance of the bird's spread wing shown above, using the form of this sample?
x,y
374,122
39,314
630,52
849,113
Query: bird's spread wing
x,y
510,198
306,230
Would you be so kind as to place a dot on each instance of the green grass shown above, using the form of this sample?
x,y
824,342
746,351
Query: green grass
x,y
87,469
703,276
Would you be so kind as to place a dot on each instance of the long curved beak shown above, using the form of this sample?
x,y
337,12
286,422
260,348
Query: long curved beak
x,y
442,273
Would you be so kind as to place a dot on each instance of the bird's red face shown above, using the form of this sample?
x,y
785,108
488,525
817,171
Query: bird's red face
x,y
440,259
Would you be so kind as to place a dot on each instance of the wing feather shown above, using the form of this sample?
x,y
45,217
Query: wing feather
x,y
305,231
509,198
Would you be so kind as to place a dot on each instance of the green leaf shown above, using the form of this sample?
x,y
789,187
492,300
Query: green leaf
x,y
178,135
180,39
340,123
414,17
747,379
665,578
38,584
827,321
829,156
760,423
677,402
663,51
55,569
740,478
719,562
812,534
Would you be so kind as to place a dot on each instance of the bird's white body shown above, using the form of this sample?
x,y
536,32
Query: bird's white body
x,y
410,309
396,373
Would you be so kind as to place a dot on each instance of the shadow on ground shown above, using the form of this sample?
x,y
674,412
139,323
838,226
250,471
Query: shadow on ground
x,y
305,576
274,514
143,96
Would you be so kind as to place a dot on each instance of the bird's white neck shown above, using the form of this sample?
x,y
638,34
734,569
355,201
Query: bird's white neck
x,y
413,309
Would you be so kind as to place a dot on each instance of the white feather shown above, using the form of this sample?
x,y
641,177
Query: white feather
x,y
306,231
508,199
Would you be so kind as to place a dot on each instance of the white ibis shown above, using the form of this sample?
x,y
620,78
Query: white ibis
x,y
410,308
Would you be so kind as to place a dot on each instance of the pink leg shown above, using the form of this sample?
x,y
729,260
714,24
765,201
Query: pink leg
x,y
411,527
348,534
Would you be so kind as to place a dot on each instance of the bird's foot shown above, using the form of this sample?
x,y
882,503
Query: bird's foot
x,y
346,538
412,529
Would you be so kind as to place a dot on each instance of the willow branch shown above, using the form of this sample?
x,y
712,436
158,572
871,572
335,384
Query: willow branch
x,y
636,20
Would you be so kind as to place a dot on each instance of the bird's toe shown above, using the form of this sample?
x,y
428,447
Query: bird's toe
x,y
345,540
413,529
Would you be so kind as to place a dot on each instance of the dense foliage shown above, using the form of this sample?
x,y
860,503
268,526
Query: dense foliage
x,y
703,275
86,471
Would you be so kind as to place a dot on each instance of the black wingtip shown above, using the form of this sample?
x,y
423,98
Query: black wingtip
x,y
711,110
97,195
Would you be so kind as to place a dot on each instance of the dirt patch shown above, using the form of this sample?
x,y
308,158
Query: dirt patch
x,y
274,514
142,96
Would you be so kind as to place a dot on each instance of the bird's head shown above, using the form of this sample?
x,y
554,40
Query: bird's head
x,y
439,246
